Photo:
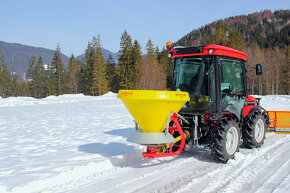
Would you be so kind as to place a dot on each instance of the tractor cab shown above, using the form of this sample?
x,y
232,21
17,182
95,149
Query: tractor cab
x,y
213,75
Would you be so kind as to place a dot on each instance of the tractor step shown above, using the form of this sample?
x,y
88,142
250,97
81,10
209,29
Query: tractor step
x,y
279,130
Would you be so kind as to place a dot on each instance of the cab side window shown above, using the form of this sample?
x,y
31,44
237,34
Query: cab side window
x,y
231,79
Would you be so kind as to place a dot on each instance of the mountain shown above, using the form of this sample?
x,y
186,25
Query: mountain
x,y
106,54
17,56
268,29
264,36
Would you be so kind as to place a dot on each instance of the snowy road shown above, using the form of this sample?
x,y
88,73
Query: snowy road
x,y
266,169
75,143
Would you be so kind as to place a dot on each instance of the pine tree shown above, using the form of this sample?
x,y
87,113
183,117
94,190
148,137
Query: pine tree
x,y
166,64
32,64
16,86
87,69
36,73
235,40
30,74
99,84
57,68
110,68
6,82
39,78
150,49
220,36
124,60
73,75
49,85
111,74
5,78
134,66
23,88
157,50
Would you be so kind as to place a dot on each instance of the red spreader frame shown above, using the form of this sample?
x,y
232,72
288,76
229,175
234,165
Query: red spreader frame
x,y
152,150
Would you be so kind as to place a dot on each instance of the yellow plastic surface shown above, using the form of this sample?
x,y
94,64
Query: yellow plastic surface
x,y
150,108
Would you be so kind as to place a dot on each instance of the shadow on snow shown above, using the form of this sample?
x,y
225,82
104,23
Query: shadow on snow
x,y
121,132
121,154
107,150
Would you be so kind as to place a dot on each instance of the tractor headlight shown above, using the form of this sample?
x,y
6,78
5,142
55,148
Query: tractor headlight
x,y
211,51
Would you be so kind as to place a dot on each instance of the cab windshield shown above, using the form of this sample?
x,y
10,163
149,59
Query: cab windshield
x,y
194,75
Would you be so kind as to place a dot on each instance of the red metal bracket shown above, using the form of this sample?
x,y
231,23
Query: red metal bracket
x,y
152,150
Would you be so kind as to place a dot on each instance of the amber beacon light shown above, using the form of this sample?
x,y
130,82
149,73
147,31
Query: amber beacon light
x,y
169,45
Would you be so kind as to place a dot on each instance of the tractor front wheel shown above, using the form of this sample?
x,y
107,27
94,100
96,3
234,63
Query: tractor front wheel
x,y
225,141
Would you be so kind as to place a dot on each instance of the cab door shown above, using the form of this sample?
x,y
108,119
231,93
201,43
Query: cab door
x,y
232,85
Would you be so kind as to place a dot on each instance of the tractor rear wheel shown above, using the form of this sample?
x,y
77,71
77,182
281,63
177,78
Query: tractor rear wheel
x,y
254,131
226,140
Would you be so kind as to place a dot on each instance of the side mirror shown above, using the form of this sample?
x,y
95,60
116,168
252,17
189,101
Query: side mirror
x,y
258,69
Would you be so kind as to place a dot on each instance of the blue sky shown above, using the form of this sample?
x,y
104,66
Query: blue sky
x,y
73,23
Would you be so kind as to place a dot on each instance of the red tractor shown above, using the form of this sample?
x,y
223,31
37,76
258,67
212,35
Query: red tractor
x,y
209,86
220,111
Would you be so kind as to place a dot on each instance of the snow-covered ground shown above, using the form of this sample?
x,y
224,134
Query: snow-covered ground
x,y
77,143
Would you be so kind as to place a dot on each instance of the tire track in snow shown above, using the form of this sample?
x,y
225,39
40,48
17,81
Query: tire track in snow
x,y
272,176
229,177
167,178
256,169
284,186
187,172
276,180
159,175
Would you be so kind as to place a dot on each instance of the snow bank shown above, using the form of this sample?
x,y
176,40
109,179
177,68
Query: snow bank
x,y
67,98
275,102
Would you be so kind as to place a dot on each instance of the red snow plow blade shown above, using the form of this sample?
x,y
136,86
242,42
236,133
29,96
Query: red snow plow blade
x,y
280,122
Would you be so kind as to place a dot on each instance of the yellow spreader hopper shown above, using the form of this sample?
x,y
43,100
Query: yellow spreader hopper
x,y
150,109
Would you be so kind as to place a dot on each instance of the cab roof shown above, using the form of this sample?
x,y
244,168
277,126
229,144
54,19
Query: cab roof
x,y
211,49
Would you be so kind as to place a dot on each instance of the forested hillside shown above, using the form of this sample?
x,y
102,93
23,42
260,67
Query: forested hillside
x,y
264,36
266,28
17,56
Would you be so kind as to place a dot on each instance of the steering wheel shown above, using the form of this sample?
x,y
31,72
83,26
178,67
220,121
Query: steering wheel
x,y
227,91
184,87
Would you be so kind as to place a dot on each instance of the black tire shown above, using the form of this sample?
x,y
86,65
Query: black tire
x,y
225,140
254,131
